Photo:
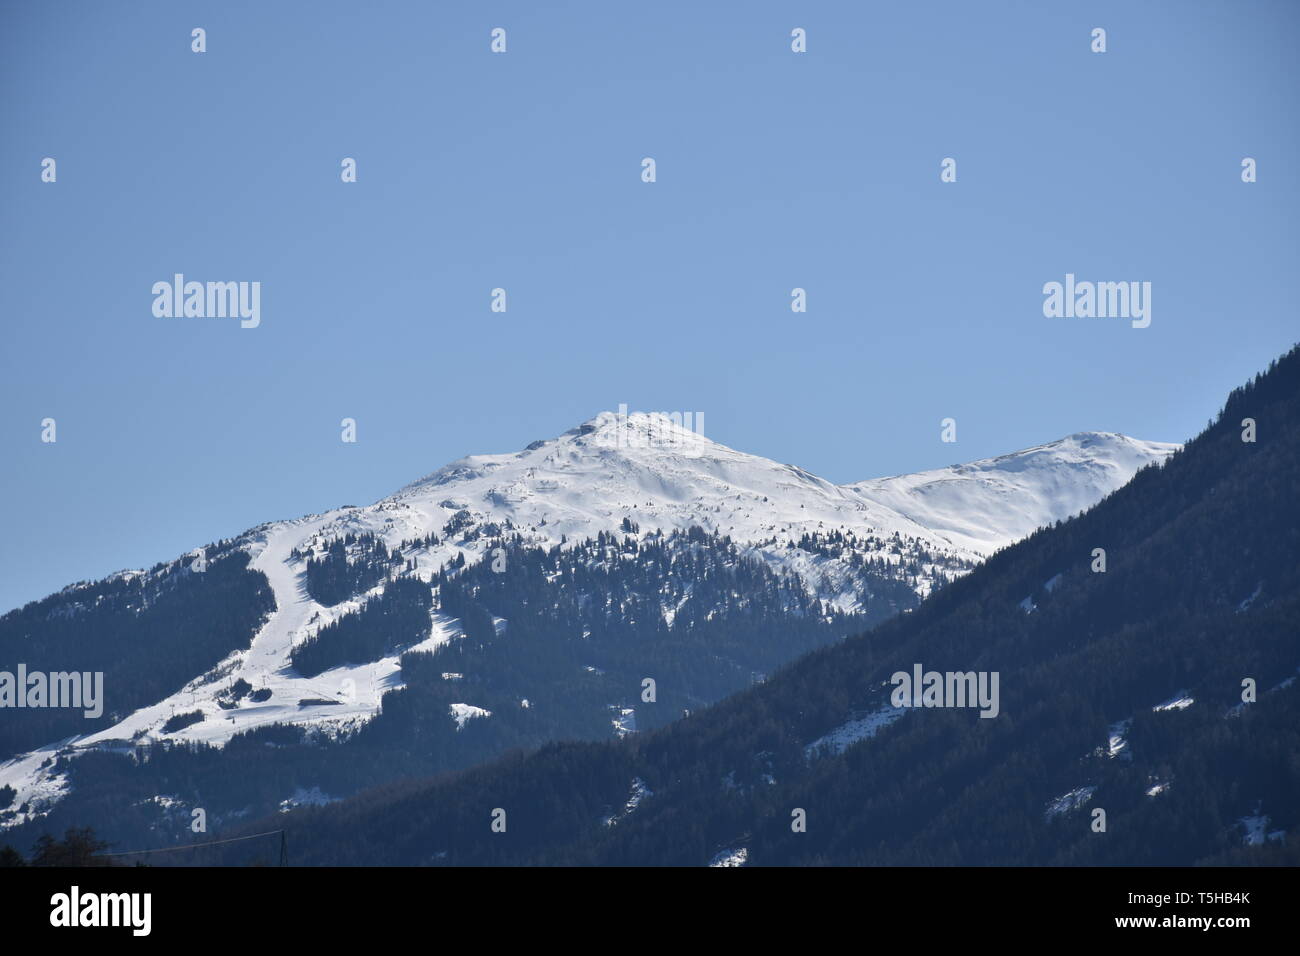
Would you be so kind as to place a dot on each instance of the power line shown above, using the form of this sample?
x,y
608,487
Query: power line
x,y
191,846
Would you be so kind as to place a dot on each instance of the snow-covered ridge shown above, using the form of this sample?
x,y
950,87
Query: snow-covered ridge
x,y
985,505
660,475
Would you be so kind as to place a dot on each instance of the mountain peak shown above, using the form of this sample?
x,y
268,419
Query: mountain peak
x,y
674,432
658,471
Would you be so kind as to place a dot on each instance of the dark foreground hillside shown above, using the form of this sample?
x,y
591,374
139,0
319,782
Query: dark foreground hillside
x,y
1120,690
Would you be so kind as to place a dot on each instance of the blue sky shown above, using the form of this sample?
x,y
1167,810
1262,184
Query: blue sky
x,y
479,170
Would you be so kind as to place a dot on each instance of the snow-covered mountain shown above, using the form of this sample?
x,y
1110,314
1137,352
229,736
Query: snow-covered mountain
x,y
1160,699
627,475
660,475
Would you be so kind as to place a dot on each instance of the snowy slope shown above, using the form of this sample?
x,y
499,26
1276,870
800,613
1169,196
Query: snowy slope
x,y
661,476
589,480
986,505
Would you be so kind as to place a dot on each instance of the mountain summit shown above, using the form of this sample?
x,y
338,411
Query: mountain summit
x,y
653,471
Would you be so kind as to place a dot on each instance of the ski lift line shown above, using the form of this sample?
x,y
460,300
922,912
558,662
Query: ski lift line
x,y
191,846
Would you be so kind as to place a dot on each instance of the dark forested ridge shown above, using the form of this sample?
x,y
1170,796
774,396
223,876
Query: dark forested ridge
x,y
149,634
1121,690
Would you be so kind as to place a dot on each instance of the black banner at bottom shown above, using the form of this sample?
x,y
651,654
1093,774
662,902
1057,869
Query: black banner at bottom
x,y
339,905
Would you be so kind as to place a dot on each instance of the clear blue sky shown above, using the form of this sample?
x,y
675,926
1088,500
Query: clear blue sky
x,y
522,170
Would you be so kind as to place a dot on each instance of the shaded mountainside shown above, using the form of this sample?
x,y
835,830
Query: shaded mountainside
x,y
1120,690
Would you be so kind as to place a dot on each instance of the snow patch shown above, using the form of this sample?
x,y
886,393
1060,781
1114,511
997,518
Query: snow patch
x,y
853,730
38,786
306,798
736,857
462,713
1068,802
1245,605
625,722
639,792
1117,740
